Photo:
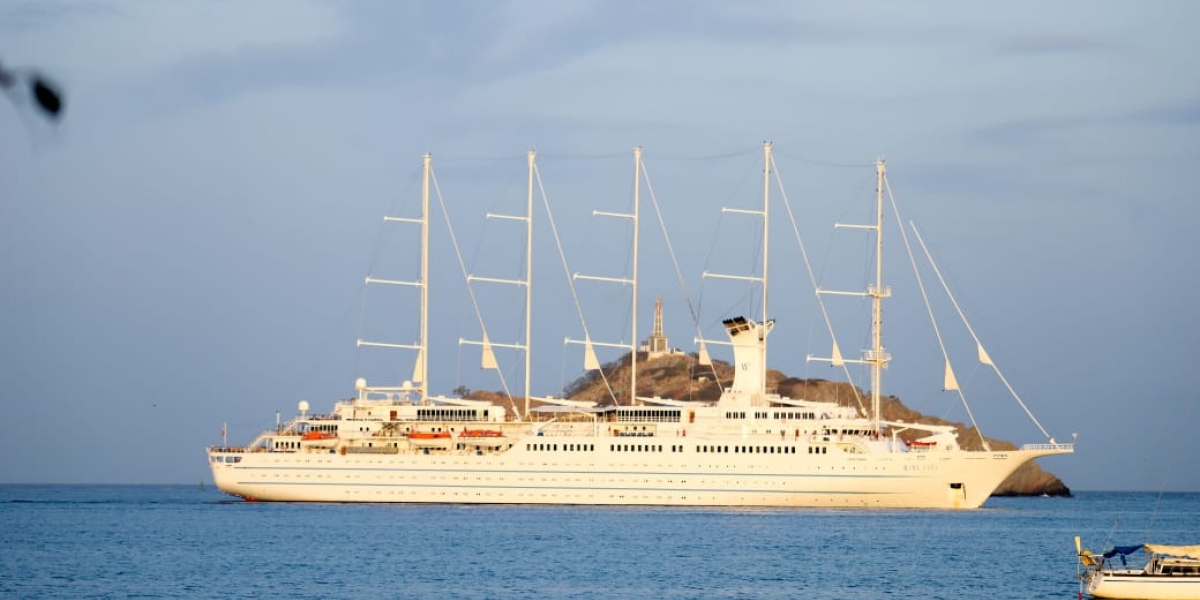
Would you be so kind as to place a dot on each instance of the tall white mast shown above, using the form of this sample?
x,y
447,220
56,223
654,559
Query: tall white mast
x,y
766,222
633,339
421,370
764,330
877,358
590,362
488,357
528,275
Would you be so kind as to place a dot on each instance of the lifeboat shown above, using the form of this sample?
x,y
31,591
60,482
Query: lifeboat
x,y
313,439
478,433
429,439
490,438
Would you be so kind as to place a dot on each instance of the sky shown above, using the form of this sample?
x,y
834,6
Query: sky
x,y
185,249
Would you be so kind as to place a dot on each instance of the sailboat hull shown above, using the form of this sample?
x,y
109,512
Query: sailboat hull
x,y
1139,585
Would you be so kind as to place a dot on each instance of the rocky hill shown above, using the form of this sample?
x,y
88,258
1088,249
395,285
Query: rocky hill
x,y
680,376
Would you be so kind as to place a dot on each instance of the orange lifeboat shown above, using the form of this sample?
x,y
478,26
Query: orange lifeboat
x,y
481,433
482,438
429,439
428,435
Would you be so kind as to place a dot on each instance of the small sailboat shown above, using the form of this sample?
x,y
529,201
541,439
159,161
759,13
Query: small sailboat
x,y
1170,573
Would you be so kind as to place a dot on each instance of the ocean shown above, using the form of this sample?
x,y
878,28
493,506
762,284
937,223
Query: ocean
x,y
112,541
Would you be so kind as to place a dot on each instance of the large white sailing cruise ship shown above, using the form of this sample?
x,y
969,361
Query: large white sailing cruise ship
x,y
749,448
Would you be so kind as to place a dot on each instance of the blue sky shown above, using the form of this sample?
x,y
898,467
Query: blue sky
x,y
187,247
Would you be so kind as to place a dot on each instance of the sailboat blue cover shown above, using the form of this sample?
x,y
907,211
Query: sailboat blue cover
x,y
1123,551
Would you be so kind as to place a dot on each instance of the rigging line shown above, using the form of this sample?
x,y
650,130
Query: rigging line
x,y
1150,458
824,163
737,153
971,330
481,243
362,307
736,189
1172,451
567,271
329,342
937,331
463,158
580,156
362,315
674,259
463,267
812,278
712,248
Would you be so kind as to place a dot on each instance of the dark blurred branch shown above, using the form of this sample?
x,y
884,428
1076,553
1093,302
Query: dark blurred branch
x,y
45,94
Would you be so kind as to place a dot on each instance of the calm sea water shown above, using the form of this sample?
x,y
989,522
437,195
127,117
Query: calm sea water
x,y
191,542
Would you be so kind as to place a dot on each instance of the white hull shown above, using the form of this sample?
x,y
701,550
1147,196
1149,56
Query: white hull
x,y
685,477
1137,585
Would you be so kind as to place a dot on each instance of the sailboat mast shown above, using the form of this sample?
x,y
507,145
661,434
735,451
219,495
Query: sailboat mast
x,y
528,275
422,363
766,221
877,295
633,343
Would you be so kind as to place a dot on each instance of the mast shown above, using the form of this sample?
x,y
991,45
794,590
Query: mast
x,y
633,338
526,280
421,370
590,361
877,293
766,222
758,383
528,274
875,356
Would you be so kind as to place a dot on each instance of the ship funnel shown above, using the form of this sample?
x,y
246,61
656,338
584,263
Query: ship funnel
x,y
749,340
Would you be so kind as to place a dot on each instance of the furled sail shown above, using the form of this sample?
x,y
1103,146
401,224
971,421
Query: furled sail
x,y
590,362
419,368
951,383
983,356
1185,551
489,357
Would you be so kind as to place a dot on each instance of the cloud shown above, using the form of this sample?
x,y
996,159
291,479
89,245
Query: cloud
x,y
1040,43
120,39
1186,112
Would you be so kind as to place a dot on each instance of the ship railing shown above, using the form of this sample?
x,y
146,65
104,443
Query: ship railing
x,y
1054,446
566,429
262,442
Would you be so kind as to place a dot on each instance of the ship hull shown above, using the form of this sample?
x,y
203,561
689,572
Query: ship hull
x,y
580,471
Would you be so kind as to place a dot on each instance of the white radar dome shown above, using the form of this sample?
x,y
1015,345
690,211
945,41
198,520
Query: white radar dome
x,y
304,406
360,384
